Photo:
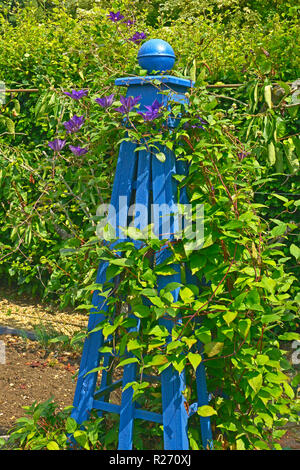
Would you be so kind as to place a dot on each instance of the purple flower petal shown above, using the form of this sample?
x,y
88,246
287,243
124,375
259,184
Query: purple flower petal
x,y
127,104
78,151
242,155
74,124
76,95
57,144
138,37
128,22
105,102
152,111
115,16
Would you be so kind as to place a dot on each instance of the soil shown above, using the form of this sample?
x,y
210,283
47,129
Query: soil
x,y
30,374
33,372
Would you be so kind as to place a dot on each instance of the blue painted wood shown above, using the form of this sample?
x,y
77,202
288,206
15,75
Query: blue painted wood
x,y
175,417
127,410
137,174
85,387
86,384
202,395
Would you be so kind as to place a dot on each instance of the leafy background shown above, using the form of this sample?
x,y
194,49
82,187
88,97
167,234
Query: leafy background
x,y
47,240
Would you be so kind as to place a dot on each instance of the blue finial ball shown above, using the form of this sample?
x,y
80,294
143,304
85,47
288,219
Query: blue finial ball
x,y
157,55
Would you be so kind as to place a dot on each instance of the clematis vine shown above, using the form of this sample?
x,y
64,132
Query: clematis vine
x,y
198,125
106,101
128,104
76,95
152,111
242,155
138,37
128,22
57,144
74,124
78,151
115,16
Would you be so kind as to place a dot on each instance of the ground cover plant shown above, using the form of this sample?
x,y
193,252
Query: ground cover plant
x,y
58,151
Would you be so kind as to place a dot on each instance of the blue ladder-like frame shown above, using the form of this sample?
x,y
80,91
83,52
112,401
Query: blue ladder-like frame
x,y
140,172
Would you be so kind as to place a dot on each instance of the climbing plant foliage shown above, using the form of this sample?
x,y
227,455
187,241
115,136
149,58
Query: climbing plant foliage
x,y
238,142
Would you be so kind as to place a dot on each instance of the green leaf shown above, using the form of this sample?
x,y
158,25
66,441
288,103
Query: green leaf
x,y
262,359
197,262
141,311
130,360
134,344
256,383
288,390
271,153
206,410
268,95
194,359
292,159
203,334
279,230
261,445
71,425
289,336
295,251
52,445
122,262
268,283
159,331
244,327
82,439
229,317
186,294
160,156
213,348
157,360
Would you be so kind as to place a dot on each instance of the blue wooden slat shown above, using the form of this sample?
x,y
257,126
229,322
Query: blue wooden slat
x,y
127,412
83,398
148,416
175,417
123,185
105,406
138,414
86,384
202,395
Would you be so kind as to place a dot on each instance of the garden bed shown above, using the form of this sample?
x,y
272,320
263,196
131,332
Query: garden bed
x,y
32,374
35,372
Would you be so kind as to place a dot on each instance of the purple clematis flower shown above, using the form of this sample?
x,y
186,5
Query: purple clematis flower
x,y
74,124
242,155
138,37
202,123
115,16
127,104
128,22
78,151
105,102
57,144
76,95
152,111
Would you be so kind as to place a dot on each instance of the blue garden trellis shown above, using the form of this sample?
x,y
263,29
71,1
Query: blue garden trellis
x,y
143,179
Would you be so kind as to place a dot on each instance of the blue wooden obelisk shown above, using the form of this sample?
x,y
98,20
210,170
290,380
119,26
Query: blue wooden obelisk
x,y
145,180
